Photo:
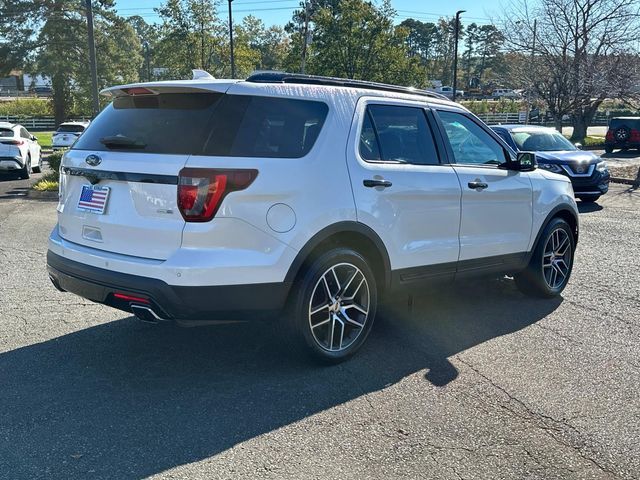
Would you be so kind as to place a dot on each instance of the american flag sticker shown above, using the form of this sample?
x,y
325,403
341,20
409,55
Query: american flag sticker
x,y
93,199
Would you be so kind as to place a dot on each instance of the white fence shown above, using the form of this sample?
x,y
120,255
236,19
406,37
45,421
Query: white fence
x,y
35,123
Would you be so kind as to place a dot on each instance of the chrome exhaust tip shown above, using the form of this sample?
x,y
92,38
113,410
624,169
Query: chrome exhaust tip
x,y
146,314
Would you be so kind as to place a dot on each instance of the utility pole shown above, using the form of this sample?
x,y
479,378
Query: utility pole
x,y
145,44
455,53
92,60
233,61
533,70
305,38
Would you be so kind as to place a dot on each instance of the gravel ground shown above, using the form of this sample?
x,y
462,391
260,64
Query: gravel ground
x,y
476,381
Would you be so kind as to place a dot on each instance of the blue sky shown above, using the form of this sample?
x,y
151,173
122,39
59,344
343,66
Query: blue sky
x,y
279,11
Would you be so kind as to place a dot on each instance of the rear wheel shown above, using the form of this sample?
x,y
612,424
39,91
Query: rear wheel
x,y
551,263
332,310
25,172
38,168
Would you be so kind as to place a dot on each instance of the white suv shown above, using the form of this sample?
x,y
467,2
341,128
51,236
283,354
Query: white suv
x,y
301,198
19,150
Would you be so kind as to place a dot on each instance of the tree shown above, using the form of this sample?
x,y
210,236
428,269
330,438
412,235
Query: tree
x,y
52,40
583,55
356,39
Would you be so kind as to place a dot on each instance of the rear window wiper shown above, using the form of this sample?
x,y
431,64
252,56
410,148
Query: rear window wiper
x,y
120,141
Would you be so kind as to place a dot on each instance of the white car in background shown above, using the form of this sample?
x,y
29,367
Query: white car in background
x,y
505,93
67,133
19,150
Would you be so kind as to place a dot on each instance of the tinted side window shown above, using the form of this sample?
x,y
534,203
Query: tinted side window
x,y
248,126
369,149
24,133
470,144
402,133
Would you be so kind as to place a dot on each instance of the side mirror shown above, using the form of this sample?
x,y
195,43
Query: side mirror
x,y
34,138
578,146
525,162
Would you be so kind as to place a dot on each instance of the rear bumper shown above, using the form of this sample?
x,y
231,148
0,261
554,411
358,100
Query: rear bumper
x,y
187,303
10,163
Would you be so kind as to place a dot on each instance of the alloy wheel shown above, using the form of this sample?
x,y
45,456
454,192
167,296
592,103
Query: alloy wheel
x,y
339,307
557,257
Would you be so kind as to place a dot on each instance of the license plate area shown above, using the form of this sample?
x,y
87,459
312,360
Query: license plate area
x,y
93,198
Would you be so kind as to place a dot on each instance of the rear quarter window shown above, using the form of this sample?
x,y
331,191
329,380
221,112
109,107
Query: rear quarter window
x,y
251,126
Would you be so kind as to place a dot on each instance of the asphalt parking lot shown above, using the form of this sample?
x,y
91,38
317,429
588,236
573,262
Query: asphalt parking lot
x,y
476,381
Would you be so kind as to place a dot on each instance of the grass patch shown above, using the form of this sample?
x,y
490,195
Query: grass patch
x,y
48,183
45,139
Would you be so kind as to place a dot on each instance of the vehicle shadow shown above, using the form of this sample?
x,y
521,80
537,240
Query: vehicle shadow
x,y
125,400
589,207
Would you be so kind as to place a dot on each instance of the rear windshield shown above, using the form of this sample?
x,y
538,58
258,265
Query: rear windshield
x,y
70,129
207,124
541,141
624,122
6,132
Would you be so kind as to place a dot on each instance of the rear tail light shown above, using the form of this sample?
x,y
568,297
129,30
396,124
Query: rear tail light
x,y
13,142
202,190
609,136
634,136
138,91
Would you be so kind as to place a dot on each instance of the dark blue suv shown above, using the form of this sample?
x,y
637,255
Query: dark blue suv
x,y
588,172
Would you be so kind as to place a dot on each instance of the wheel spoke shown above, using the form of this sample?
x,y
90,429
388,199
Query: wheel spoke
x,y
562,248
333,270
351,297
356,307
326,286
331,331
324,322
318,309
352,321
346,287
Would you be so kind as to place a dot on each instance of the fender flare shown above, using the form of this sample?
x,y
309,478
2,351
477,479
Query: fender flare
x,y
338,228
550,216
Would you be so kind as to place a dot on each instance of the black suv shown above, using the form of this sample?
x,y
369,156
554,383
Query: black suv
x,y
623,133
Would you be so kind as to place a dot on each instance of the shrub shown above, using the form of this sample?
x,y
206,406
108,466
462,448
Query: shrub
x,y
26,107
48,183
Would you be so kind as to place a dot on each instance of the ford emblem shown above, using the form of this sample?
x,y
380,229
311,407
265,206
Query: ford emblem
x,y
93,160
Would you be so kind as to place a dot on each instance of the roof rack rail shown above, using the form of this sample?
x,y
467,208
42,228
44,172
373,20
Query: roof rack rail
x,y
298,78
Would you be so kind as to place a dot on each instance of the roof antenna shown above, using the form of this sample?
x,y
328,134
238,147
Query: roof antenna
x,y
201,75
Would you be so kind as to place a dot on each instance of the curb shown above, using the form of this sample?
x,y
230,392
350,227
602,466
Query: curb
x,y
626,181
36,195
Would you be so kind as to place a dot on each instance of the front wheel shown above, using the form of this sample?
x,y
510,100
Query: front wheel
x,y
550,266
333,306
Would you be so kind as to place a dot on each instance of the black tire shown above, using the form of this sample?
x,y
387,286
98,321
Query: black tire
x,y
589,198
25,172
608,149
310,288
38,168
534,280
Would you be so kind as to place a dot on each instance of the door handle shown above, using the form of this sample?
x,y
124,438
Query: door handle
x,y
477,185
377,183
